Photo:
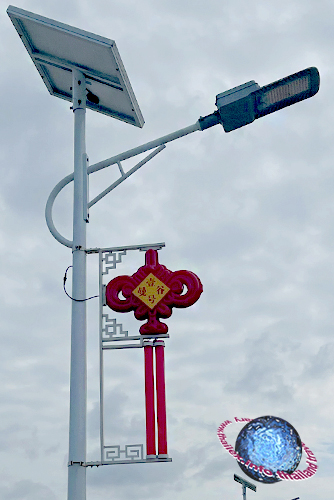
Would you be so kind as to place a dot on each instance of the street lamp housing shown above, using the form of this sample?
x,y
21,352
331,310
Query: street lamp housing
x,y
236,107
244,104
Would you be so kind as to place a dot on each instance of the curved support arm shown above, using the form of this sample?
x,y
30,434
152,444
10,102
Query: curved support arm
x,y
69,178
48,211
158,143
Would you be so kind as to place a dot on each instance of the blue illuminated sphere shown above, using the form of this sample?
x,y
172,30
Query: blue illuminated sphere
x,y
271,442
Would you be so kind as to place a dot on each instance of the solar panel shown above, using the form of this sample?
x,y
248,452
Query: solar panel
x,y
57,48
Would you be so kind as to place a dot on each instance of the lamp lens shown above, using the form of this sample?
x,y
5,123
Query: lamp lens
x,y
285,91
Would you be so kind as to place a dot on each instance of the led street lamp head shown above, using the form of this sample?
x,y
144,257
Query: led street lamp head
x,y
244,104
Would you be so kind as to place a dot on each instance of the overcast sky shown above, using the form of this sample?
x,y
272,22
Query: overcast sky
x,y
251,212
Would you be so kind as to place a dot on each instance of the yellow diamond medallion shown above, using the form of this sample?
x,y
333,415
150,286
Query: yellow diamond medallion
x,y
151,290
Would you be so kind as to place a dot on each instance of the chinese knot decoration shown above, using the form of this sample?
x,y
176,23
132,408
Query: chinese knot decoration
x,y
151,293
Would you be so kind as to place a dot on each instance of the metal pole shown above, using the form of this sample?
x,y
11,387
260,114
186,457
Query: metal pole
x,y
78,381
243,492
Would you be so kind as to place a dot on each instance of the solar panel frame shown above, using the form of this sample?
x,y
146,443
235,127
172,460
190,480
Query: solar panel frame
x,y
56,48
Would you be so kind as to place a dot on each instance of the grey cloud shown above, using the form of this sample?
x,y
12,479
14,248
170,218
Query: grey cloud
x,y
28,490
250,212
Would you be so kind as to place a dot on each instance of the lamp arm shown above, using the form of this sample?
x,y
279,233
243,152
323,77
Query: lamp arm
x,y
145,147
157,143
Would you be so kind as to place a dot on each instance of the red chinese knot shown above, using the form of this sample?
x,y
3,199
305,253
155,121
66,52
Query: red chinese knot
x,y
152,292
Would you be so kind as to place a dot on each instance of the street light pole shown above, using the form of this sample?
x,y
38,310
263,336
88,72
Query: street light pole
x,y
78,379
244,484
58,49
